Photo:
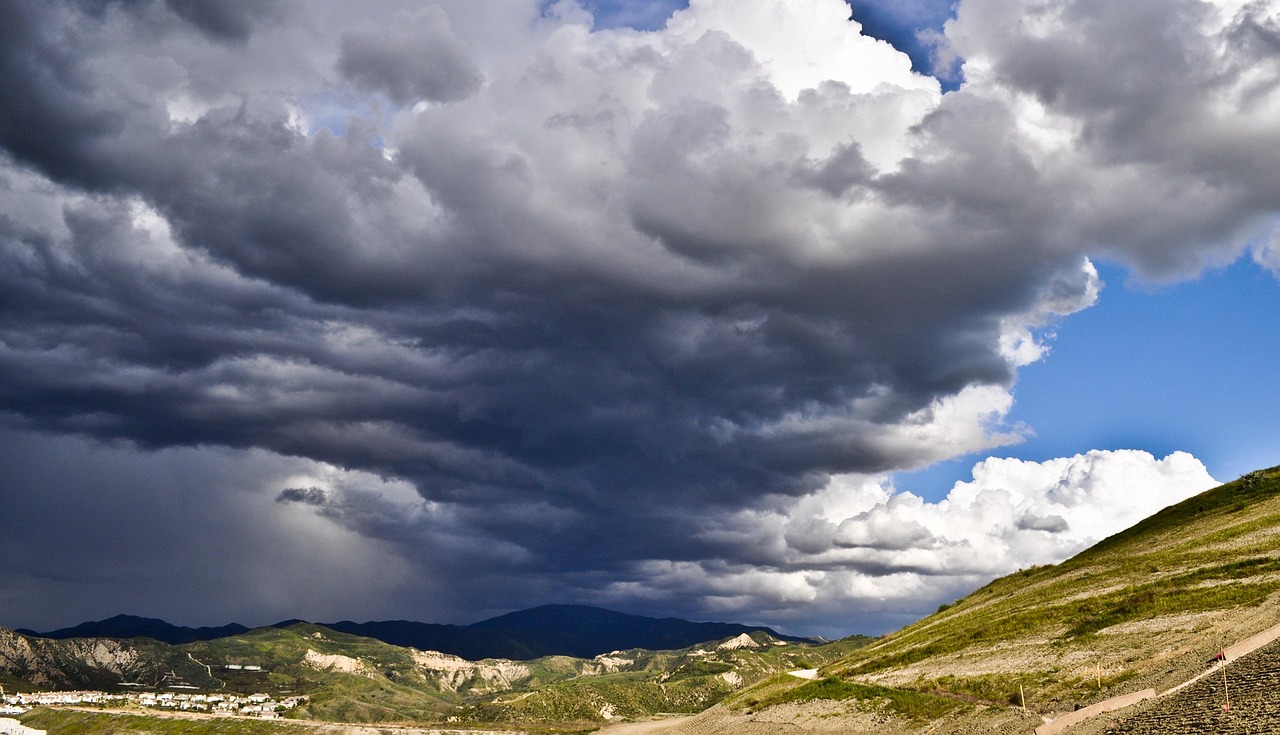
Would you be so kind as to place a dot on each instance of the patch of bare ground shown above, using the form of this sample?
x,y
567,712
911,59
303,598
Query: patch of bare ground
x,y
650,727
1096,591
314,726
843,718
1184,623
1003,658
346,729
821,718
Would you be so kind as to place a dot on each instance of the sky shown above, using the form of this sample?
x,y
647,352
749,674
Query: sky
x,y
790,312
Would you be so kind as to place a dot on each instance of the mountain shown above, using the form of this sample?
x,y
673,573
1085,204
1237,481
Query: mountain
x,y
565,630
132,626
94,663
551,630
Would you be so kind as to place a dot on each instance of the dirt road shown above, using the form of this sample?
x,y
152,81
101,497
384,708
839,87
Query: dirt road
x,y
642,728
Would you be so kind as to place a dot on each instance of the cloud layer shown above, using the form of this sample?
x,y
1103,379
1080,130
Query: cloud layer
x,y
579,306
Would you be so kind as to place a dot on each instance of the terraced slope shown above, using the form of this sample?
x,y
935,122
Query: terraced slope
x,y
1143,609
1251,687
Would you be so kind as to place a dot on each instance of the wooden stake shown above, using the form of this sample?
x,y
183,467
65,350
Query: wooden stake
x,y
1023,696
1225,694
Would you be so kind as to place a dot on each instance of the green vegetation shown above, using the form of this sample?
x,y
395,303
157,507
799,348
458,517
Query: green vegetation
x,y
1171,563
684,682
93,723
1001,690
1057,633
347,678
700,668
912,705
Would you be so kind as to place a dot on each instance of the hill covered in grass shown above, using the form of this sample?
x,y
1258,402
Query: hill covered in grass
x,y
1145,608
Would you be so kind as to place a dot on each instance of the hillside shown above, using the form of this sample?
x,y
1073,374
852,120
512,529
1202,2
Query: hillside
x,y
1146,608
347,678
93,663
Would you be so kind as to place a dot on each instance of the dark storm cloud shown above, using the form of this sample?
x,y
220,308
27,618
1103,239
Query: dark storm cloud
x,y
183,534
420,60
1052,524
229,19
1163,96
612,305
308,495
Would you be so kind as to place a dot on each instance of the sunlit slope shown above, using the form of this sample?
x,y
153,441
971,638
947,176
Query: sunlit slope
x,y
353,679
348,678
1145,608
638,684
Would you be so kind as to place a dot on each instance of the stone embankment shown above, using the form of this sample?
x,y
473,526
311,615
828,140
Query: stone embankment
x,y
1262,652
1110,705
1251,687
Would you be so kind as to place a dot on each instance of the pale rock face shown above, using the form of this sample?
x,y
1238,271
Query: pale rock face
x,y
36,658
454,673
611,664
336,662
742,641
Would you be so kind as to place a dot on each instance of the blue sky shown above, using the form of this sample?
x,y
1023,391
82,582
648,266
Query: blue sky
x,y
895,22
1160,367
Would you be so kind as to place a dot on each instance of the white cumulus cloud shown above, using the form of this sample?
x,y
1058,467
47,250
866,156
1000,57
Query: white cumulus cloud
x,y
865,554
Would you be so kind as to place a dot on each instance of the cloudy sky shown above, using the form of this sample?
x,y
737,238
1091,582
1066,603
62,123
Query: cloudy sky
x,y
733,309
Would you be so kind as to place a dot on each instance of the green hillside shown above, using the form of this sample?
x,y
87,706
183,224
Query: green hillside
x,y
1145,608
351,679
93,723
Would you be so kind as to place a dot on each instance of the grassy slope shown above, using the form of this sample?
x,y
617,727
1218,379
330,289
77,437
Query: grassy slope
x,y
685,682
363,680
92,723
389,686
1145,607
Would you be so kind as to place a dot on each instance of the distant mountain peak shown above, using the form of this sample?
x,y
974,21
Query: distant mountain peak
x,y
581,631
134,626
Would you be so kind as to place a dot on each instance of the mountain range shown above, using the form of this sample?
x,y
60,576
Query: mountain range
x,y
550,630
